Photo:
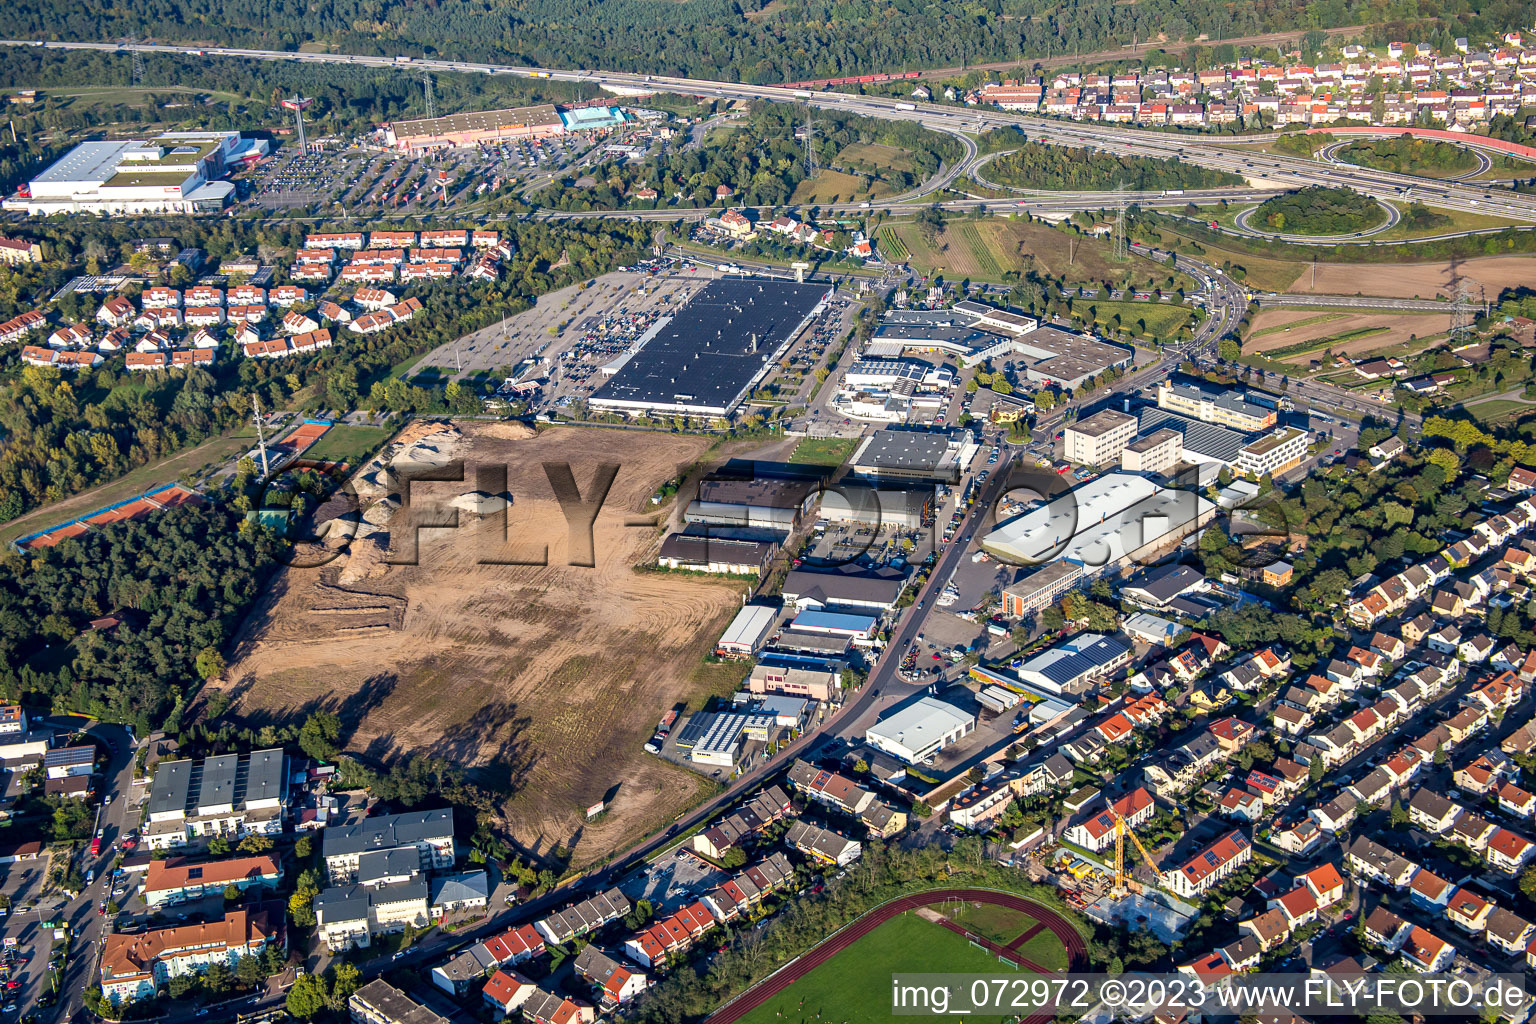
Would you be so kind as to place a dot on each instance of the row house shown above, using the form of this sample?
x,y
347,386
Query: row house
x,y
162,317
392,240
742,894
768,806
70,336
335,240
373,299
250,314
287,295
357,272
507,949
427,272
160,297
435,256
33,355
203,316
446,238
310,271
661,942
204,295
583,918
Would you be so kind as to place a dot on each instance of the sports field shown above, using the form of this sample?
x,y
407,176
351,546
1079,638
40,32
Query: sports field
x,y
855,985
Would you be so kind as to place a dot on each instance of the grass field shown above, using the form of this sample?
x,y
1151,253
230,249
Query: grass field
x,y
1499,409
349,444
1290,325
1000,924
855,985
829,186
1163,319
82,97
1046,950
135,482
823,451
1461,220
985,249
876,156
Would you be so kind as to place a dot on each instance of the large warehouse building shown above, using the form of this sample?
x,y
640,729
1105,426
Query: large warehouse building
x,y
710,355
1110,520
176,172
491,126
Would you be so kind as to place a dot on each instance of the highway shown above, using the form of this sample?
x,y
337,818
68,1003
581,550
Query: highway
x,y
1261,170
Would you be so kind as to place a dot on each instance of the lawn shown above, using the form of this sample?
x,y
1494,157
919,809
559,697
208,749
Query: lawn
x,y
1499,409
829,186
1163,319
133,483
855,985
1046,950
349,444
875,156
1000,924
823,451
1461,220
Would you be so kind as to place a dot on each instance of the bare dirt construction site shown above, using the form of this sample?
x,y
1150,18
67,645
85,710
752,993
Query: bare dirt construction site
x,y
1344,333
1416,280
545,680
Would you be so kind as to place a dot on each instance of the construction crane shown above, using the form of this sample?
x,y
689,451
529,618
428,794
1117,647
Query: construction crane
x,y
1122,879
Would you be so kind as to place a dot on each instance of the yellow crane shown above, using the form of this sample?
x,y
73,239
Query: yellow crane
x,y
1122,878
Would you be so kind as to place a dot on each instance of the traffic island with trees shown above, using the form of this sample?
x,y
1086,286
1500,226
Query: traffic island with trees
x,y
1318,210
1066,169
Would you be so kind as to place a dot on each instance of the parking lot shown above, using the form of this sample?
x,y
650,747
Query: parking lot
x,y
673,881
25,946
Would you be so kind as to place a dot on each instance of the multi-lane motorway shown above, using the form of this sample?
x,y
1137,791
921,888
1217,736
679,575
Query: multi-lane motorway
x,y
1264,172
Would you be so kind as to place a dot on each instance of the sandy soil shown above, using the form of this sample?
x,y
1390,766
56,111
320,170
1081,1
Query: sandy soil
x,y
1416,280
549,678
1399,328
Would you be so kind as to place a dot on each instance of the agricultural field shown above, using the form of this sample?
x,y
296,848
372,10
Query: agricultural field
x,y
525,673
1298,335
1414,280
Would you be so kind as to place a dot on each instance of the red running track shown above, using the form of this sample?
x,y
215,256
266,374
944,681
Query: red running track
x,y
1069,936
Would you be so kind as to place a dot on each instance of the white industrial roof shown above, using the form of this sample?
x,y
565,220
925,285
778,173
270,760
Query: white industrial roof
x,y
1097,523
920,724
749,625
89,163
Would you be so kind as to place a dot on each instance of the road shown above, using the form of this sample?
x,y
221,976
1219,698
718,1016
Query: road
x,y
1260,170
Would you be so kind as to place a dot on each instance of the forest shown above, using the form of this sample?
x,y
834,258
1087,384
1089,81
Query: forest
x,y
1319,210
753,41
1037,165
179,581
1408,155
68,433
762,160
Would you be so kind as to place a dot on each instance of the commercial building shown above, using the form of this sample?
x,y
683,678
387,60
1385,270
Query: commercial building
x,y
379,1002
1158,452
848,587
134,966
1273,454
1070,666
880,508
1202,443
919,730
747,630
1040,589
1111,520
474,128
762,503
1214,405
707,357
231,795
428,833
1099,439
794,681
180,880
175,172
699,551
895,455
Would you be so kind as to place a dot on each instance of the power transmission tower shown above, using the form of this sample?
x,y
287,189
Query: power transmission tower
x,y
261,439
1464,307
1122,251
138,62
810,146
431,103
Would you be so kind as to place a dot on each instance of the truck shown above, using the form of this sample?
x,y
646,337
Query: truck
x,y
666,723
906,106
1006,697
403,60
96,843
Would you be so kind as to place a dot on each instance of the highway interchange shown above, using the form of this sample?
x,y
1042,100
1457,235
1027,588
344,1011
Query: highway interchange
x,y
1265,173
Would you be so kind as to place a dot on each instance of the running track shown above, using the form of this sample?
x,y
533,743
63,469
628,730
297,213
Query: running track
x,y
1070,938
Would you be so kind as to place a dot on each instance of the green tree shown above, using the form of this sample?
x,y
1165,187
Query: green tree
x,y
320,735
307,997
231,892
218,846
301,905
255,844
1315,770
210,663
217,979
346,979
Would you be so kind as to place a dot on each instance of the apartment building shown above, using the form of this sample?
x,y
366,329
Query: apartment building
x,y
180,880
1209,866
229,795
379,1002
1273,454
428,833
135,966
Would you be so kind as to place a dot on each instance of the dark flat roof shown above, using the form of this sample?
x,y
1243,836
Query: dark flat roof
x,y
706,356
